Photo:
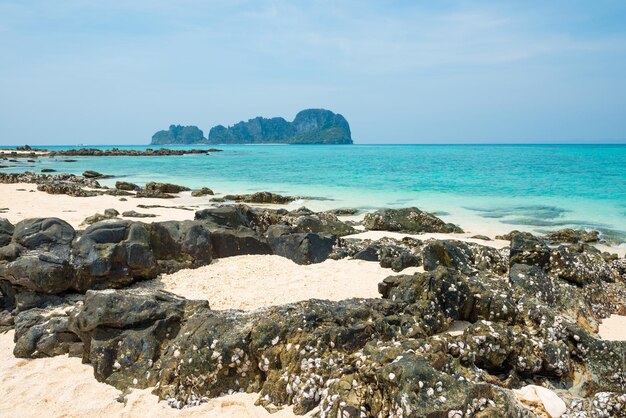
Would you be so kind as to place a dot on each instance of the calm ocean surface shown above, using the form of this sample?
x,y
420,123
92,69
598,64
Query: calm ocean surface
x,y
494,187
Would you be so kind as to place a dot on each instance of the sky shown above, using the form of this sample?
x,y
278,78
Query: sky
x,y
114,72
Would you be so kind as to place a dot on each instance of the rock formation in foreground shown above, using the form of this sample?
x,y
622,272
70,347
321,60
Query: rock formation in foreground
x,y
311,126
533,311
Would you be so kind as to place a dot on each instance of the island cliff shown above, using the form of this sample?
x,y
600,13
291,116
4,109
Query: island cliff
x,y
178,134
310,126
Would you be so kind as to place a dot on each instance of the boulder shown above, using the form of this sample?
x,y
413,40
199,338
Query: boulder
x,y
572,236
40,262
178,245
6,231
205,191
322,223
580,264
113,253
302,248
228,242
70,189
135,214
409,220
126,186
165,187
261,197
90,174
528,249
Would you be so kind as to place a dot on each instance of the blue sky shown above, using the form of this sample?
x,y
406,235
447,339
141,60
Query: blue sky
x,y
97,72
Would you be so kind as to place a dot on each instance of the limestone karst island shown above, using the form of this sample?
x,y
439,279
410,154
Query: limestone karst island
x,y
310,126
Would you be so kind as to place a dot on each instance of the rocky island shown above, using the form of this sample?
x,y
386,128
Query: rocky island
x,y
310,126
179,135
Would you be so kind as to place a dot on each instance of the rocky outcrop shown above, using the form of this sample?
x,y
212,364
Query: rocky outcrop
x,y
371,357
311,126
117,152
205,191
531,318
409,220
261,197
572,236
177,134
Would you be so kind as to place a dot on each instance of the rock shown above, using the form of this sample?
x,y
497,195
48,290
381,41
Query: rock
x,y
535,281
165,187
116,152
93,174
135,214
48,170
311,126
261,197
571,236
6,231
580,264
108,214
302,248
124,185
178,245
455,254
113,253
111,213
344,212
528,249
228,242
323,223
153,194
205,191
225,216
41,262
44,333
481,237
69,189
410,220
399,262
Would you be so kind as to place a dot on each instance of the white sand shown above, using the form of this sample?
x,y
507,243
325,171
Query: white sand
x,y
613,328
31,203
64,387
255,281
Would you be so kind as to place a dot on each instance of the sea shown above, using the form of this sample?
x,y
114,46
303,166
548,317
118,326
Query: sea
x,y
493,188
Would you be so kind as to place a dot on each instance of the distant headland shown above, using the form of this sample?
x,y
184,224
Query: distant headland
x,y
310,126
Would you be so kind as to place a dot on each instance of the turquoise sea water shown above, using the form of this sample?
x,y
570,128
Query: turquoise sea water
x,y
497,187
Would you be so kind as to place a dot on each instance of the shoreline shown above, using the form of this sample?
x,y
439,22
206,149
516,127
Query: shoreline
x,y
28,202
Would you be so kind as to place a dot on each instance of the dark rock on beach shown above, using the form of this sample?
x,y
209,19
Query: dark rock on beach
x,y
205,191
165,187
572,236
409,220
261,197
135,214
116,152
124,185
531,313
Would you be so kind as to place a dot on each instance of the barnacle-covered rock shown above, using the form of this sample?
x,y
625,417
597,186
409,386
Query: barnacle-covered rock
x,y
410,220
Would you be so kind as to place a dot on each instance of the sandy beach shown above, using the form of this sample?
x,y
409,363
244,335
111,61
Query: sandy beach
x,y
247,282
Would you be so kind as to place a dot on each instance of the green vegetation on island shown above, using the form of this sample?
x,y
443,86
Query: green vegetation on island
x,y
311,126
